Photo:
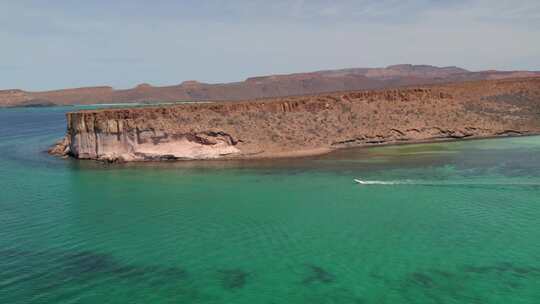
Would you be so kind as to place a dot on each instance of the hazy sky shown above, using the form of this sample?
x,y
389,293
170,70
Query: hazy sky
x,y
59,44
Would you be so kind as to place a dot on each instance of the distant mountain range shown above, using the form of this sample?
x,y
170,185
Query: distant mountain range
x,y
260,87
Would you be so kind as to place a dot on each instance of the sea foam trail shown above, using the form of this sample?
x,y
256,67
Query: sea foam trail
x,y
443,183
377,182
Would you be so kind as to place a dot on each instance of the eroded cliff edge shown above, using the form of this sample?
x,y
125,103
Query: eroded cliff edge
x,y
306,124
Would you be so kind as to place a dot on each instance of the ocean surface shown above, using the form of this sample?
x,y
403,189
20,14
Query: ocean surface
x,y
440,223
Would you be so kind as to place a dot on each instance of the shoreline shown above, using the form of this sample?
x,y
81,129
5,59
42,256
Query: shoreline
x,y
306,153
323,151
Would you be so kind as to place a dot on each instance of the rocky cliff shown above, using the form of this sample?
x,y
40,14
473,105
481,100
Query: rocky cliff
x,y
260,87
305,124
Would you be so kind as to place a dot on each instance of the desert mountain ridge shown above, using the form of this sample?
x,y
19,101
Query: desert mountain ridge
x,y
261,86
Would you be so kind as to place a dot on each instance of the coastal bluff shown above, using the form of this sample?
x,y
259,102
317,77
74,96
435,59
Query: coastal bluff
x,y
304,125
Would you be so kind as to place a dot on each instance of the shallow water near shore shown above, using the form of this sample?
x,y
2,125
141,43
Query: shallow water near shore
x,y
453,222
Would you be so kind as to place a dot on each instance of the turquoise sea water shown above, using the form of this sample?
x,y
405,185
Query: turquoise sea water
x,y
450,223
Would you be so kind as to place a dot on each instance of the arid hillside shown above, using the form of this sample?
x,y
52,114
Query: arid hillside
x,y
260,87
305,124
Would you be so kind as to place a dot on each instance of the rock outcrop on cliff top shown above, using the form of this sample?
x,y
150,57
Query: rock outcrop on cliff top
x,y
305,124
260,87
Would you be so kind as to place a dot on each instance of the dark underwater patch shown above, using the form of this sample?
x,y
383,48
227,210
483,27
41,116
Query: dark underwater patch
x,y
422,279
51,269
87,262
318,274
441,286
233,278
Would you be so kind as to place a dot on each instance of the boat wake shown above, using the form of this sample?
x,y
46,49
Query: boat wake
x,y
447,183
376,182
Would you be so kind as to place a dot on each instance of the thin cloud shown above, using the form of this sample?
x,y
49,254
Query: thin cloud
x,y
123,43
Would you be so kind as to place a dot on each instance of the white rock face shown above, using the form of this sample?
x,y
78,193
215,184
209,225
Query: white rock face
x,y
88,140
127,147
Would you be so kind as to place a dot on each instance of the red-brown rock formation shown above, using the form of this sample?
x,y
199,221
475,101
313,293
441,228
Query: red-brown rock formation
x,y
306,124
